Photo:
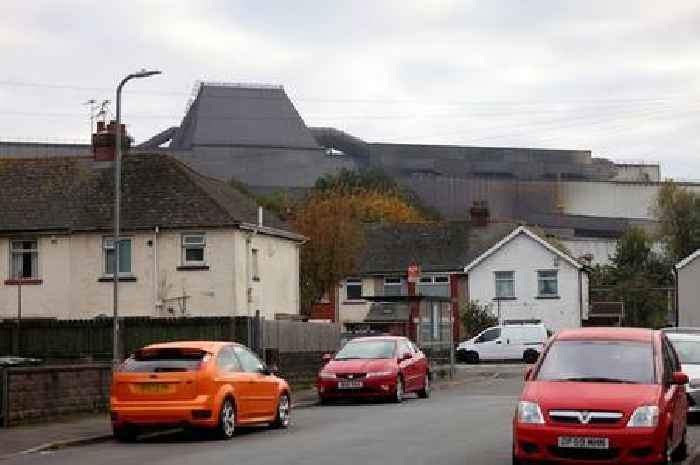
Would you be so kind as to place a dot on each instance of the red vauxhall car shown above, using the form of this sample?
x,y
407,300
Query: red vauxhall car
x,y
603,395
379,366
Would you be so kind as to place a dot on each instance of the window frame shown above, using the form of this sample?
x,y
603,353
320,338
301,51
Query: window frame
x,y
255,264
353,282
541,279
12,251
184,247
121,274
496,279
398,283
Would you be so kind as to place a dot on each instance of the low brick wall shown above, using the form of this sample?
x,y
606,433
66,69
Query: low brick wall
x,y
41,393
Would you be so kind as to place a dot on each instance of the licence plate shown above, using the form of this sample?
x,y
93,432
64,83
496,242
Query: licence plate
x,y
354,384
583,442
153,388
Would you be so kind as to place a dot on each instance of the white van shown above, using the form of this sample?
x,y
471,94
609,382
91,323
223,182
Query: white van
x,y
505,342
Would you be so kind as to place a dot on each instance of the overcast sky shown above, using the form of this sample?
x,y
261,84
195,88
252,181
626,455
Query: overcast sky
x,y
621,78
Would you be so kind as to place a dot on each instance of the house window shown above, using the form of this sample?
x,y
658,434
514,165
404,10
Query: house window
x,y
505,284
255,270
436,286
24,259
193,247
392,286
353,289
547,283
124,256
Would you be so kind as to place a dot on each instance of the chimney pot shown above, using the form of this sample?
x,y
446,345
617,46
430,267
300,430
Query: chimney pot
x,y
104,141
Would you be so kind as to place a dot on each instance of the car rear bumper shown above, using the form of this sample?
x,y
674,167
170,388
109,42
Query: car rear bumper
x,y
371,387
199,411
539,443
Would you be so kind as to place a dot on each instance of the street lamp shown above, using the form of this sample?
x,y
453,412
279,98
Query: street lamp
x,y
117,201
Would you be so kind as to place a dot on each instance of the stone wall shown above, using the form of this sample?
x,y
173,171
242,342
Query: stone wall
x,y
41,393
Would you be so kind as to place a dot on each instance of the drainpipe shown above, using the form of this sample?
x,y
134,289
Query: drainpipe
x,y
156,230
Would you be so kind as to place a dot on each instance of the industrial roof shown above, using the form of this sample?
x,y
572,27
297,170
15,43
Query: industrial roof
x,y
242,115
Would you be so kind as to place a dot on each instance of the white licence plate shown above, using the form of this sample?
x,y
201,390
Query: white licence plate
x,y
583,442
354,384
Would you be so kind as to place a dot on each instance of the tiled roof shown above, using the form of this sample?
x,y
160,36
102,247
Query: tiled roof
x,y
76,194
444,246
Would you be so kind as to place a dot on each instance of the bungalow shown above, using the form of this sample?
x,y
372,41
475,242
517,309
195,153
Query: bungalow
x,y
190,245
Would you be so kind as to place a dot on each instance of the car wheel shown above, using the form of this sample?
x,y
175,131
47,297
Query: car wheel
x,y
398,392
425,392
472,358
530,356
681,452
284,409
227,419
125,433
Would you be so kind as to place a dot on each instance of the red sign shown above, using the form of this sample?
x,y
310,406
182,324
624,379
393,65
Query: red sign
x,y
413,273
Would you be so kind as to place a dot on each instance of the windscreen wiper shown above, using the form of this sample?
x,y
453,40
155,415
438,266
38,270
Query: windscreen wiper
x,y
592,379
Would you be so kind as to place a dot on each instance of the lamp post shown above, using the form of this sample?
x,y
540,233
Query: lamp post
x,y
117,204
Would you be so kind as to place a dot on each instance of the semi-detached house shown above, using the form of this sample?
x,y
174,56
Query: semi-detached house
x,y
519,275
191,245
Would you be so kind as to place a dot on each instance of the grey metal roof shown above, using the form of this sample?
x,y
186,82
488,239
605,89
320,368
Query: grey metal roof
x,y
241,115
443,246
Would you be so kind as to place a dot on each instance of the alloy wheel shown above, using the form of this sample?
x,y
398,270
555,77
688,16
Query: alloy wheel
x,y
228,419
283,411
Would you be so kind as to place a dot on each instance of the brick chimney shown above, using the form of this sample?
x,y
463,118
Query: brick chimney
x,y
104,141
479,213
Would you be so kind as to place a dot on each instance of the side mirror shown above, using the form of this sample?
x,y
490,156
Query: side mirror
x,y
325,358
528,373
679,378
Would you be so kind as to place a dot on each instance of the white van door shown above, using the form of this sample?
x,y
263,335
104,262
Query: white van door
x,y
488,344
512,343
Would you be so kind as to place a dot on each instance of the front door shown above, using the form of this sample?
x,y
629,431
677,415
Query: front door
x,y
489,344
409,365
259,390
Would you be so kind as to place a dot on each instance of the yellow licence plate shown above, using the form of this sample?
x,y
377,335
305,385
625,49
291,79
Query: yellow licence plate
x,y
153,388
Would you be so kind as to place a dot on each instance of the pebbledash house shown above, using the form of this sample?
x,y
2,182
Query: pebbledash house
x,y
190,245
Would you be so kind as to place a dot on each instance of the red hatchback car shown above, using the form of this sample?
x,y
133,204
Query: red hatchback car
x,y
383,366
603,395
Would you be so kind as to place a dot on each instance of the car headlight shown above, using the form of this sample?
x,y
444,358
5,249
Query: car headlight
x,y
373,374
644,416
326,375
529,412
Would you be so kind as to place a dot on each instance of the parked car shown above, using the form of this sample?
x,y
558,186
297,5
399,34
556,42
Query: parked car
x,y
383,366
686,341
505,342
214,385
604,395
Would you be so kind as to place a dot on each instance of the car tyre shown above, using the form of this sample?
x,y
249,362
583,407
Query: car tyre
x,y
472,358
226,428
125,433
681,452
399,391
284,409
425,392
530,356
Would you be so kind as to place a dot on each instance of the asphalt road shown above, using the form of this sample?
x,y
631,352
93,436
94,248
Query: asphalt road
x,y
465,424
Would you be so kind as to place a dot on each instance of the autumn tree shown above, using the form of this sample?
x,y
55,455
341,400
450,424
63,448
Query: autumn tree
x,y
335,239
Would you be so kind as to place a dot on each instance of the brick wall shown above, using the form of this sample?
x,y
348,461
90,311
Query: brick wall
x,y
40,393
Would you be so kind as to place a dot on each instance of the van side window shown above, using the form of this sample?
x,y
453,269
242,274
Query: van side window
x,y
489,335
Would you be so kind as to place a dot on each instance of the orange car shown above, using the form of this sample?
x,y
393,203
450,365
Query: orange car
x,y
214,385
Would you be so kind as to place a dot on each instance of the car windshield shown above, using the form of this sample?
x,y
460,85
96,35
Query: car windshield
x,y
164,360
688,350
599,362
366,349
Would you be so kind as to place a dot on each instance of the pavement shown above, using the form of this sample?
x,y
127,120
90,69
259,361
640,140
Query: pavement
x,y
466,420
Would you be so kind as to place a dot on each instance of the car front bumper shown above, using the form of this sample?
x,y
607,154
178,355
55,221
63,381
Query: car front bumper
x,y
200,412
539,443
380,386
